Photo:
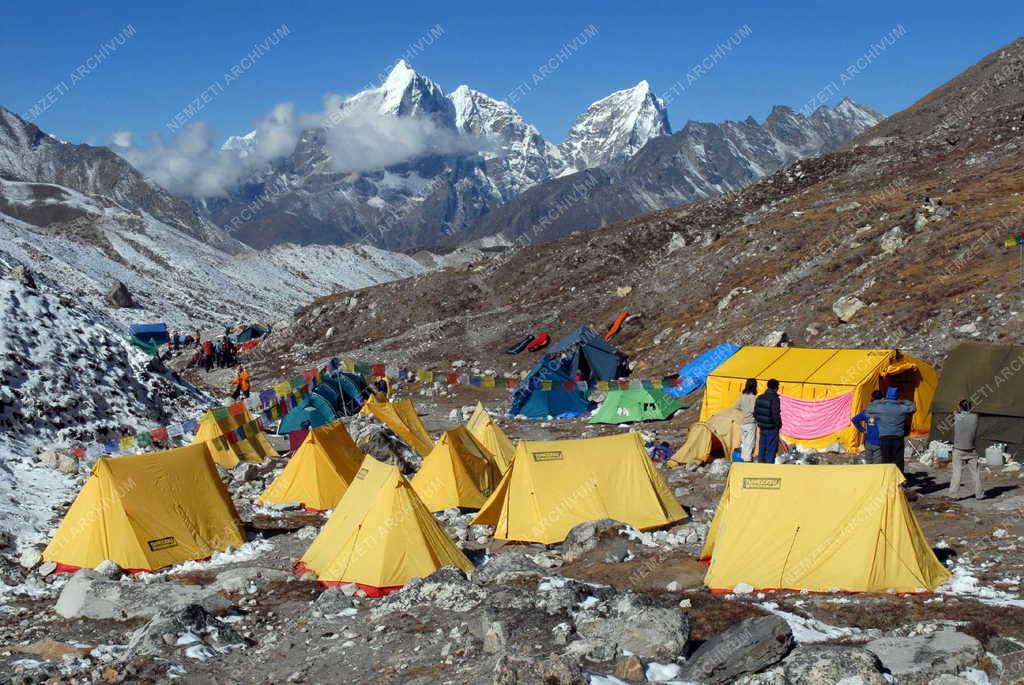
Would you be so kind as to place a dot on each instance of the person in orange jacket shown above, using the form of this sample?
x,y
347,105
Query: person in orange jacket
x,y
242,383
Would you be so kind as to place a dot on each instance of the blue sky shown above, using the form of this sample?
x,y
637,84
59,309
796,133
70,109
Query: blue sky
x,y
794,49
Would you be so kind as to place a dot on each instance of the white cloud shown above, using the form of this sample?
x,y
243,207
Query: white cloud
x,y
359,138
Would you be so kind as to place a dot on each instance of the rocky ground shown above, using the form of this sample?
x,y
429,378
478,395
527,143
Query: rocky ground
x,y
609,605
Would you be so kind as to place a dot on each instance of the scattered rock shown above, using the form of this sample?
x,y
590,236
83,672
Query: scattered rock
x,y
524,670
846,307
892,240
829,664
195,626
917,659
89,595
119,296
719,469
630,668
502,568
775,339
46,568
22,275
747,647
30,557
496,637
630,622
248,579
848,207
109,569
447,588
332,602
585,536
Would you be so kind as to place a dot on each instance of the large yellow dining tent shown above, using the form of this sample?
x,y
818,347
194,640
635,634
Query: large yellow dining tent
x,y
826,377
822,528
380,535
554,485
147,511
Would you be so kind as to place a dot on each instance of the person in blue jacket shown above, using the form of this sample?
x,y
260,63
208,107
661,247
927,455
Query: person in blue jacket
x,y
891,415
868,425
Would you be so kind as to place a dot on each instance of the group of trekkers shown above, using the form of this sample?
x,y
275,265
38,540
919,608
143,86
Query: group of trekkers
x,y
885,423
210,354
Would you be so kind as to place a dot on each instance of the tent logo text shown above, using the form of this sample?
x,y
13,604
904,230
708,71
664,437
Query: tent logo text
x,y
547,456
161,543
361,474
762,483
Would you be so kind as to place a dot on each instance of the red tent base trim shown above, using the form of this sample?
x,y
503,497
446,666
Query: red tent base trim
x,y
300,569
718,591
71,568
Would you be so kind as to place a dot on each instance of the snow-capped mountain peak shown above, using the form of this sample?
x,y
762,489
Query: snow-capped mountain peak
x,y
615,127
407,93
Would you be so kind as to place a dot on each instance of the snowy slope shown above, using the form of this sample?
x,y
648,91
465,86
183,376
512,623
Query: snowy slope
x,y
172,276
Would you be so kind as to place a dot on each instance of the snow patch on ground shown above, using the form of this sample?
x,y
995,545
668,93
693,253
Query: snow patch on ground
x,y
965,584
811,630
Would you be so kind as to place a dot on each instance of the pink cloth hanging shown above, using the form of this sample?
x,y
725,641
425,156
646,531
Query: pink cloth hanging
x,y
809,419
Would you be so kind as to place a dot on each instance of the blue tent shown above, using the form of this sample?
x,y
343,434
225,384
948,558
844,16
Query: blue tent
x,y
591,356
532,402
693,375
314,409
150,333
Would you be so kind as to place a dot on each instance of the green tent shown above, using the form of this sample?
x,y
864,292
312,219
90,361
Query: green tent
x,y
986,375
636,404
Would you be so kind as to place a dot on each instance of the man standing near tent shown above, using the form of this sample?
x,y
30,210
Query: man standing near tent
x,y
768,416
890,415
748,427
242,384
965,429
869,427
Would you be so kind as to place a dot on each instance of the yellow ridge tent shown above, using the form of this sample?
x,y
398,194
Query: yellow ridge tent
x,y
253,448
146,512
720,432
812,375
320,471
458,472
555,485
380,535
823,528
402,418
490,435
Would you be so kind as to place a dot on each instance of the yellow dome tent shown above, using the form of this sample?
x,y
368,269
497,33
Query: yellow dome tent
x,y
458,472
146,512
823,528
490,435
254,447
320,471
402,418
557,484
811,375
720,431
380,535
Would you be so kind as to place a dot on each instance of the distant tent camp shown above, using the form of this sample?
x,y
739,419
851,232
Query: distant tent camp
x,y
319,472
823,388
458,472
591,356
146,512
150,333
719,435
533,401
693,375
983,374
380,536
401,417
555,485
220,429
338,394
820,528
490,435
252,332
636,404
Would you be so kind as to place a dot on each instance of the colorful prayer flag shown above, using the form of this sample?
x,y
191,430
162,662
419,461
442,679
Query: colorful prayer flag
x,y
298,382
282,389
349,364
545,385
377,370
176,430
511,382
221,413
111,446
190,426
403,374
425,376
144,439
127,442
452,378
489,381
602,385
79,452
237,409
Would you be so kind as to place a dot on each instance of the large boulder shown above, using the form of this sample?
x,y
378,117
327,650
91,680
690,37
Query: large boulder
x,y
119,296
446,588
524,670
502,568
248,579
89,595
917,659
828,664
584,537
747,647
383,444
192,625
631,623
846,307
22,275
